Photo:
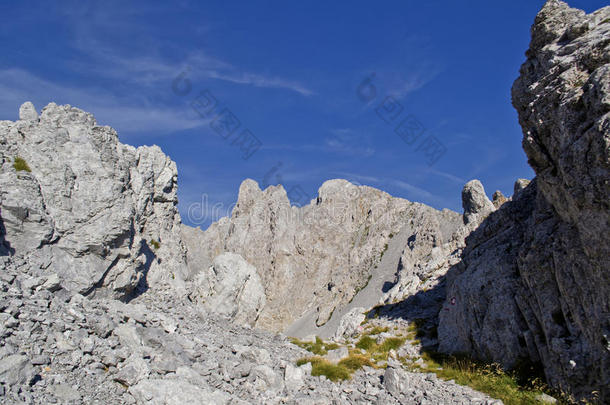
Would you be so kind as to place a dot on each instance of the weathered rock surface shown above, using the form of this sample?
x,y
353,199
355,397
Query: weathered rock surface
x,y
534,278
328,249
230,287
99,214
160,348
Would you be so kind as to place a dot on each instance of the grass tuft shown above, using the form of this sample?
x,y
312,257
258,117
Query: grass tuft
x,y
355,362
377,330
21,165
392,343
320,366
366,343
318,347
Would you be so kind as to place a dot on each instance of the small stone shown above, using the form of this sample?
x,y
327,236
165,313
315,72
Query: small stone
x,y
65,393
293,377
392,381
40,360
53,283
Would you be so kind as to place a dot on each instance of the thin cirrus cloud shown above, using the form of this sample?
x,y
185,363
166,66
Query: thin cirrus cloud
x,y
126,114
149,70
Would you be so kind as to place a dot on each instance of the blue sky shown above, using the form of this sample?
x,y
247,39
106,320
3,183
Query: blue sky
x,y
293,75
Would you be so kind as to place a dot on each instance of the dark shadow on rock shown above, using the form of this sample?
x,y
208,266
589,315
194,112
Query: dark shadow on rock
x,y
142,286
421,308
5,246
387,286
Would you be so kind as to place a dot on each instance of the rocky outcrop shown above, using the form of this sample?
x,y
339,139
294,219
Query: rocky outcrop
x,y
437,245
230,287
76,202
534,279
313,260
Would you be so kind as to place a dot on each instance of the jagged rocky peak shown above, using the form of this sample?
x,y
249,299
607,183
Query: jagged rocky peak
x,y
100,214
475,202
330,248
533,281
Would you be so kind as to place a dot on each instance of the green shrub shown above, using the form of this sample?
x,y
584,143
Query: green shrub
x,y
20,165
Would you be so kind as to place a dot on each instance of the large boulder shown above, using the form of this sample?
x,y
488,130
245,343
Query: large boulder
x,y
230,287
534,279
78,203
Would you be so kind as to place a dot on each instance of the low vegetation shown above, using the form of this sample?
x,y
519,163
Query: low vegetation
x,y
362,287
385,248
318,347
21,165
342,370
516,387
513,388
155,244
321,366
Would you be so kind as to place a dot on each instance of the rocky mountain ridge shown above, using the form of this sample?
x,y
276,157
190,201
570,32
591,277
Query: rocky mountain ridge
x,y
86,221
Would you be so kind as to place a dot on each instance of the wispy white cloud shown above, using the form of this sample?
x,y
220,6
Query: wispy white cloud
x,y
153,68
446,175
257,80
123,113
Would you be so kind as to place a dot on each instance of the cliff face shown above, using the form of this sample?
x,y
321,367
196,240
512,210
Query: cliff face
x,y
76,202
534,280
318,257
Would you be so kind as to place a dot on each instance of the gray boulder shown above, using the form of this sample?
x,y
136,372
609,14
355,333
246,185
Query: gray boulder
x,y
231,287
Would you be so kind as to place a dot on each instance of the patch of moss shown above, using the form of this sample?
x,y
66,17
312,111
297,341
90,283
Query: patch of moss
x,y
155,244
21,165
336,372
385,247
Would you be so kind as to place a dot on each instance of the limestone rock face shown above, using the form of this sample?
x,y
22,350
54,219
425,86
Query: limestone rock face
x,y
534,278
475,202
231,287
436,244
316,257
100,214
